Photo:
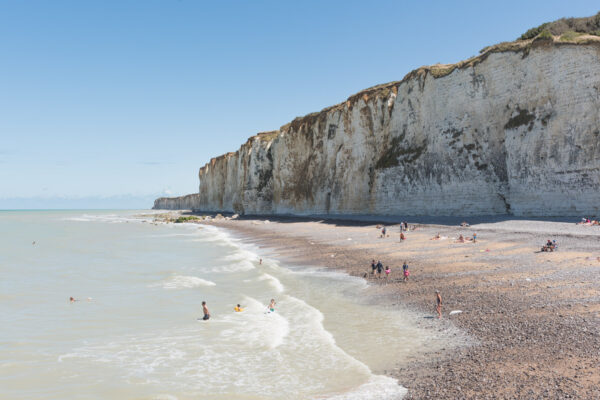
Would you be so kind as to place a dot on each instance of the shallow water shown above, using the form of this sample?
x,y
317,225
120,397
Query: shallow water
x,y
135,333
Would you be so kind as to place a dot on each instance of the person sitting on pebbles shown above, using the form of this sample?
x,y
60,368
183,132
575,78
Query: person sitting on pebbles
x,y
550,246
436,237
460,239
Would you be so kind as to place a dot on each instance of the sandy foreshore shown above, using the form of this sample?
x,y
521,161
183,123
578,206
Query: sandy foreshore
x,y
534,316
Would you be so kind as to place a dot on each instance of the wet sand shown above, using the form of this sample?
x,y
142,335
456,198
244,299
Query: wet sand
x,y
533,318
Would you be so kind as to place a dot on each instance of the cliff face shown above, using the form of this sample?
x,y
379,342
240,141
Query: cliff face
x,y
177,203
515,130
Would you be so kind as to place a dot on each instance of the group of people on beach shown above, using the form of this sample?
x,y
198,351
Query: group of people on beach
x,y
377,268
403,228
588,221
237,308
550,245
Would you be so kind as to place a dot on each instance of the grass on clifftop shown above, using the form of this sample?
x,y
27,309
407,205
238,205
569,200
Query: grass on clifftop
x,y
588,25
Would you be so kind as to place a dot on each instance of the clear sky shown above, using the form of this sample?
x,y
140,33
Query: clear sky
x,y
111,103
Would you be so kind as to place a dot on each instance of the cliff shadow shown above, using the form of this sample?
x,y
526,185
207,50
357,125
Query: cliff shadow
x,y
368,220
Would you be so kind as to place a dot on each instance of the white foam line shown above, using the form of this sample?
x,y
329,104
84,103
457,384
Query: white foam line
x,y
183,282
276,283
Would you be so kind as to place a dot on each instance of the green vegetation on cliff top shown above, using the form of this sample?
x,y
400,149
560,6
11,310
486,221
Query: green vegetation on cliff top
x,y
585,25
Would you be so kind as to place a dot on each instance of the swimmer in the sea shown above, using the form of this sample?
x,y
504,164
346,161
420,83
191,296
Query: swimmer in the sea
x,y
272,305
238,308
72,299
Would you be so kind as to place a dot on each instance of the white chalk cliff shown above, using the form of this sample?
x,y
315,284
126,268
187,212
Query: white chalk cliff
x,y
515,130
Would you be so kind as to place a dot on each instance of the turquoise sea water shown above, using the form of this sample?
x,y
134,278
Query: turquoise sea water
x,y
134,332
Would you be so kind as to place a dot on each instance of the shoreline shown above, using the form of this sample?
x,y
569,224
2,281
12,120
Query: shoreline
x,y
534,317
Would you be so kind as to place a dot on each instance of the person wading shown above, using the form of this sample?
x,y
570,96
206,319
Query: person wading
x,y
206,312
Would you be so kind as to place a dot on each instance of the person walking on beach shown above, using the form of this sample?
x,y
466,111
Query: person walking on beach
x,y
383,231
373,267
388,271
438,300
405,271
379,269
206,312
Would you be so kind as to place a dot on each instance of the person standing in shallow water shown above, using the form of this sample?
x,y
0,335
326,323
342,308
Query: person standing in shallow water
x,y
438,300
206,312
272,305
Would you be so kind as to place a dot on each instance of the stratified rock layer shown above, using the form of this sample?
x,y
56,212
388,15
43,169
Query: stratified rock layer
x,y
513,131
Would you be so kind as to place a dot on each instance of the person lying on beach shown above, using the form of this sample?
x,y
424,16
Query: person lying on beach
x,y
238,308
205,311
272,305
464,224
460,239
436,237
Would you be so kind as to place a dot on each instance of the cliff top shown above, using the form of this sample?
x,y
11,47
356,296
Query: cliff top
x,y
585,25
565,31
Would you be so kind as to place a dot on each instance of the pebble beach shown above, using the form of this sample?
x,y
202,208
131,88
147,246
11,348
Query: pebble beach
x,y
530,319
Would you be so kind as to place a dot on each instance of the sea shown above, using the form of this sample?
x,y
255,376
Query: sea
x,y
136,331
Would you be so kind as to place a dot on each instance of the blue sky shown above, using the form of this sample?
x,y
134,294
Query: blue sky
x,y
115,102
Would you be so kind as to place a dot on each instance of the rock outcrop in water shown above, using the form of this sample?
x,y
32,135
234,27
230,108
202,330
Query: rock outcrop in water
x,y
515,130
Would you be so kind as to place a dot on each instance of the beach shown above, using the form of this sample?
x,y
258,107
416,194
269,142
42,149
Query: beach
x,y
530,320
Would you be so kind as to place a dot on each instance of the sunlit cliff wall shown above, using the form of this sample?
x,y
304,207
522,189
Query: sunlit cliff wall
x,y
515,130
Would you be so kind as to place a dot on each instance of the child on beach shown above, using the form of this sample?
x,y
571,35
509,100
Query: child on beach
x,y
387,272
406,274
402,237
373,267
